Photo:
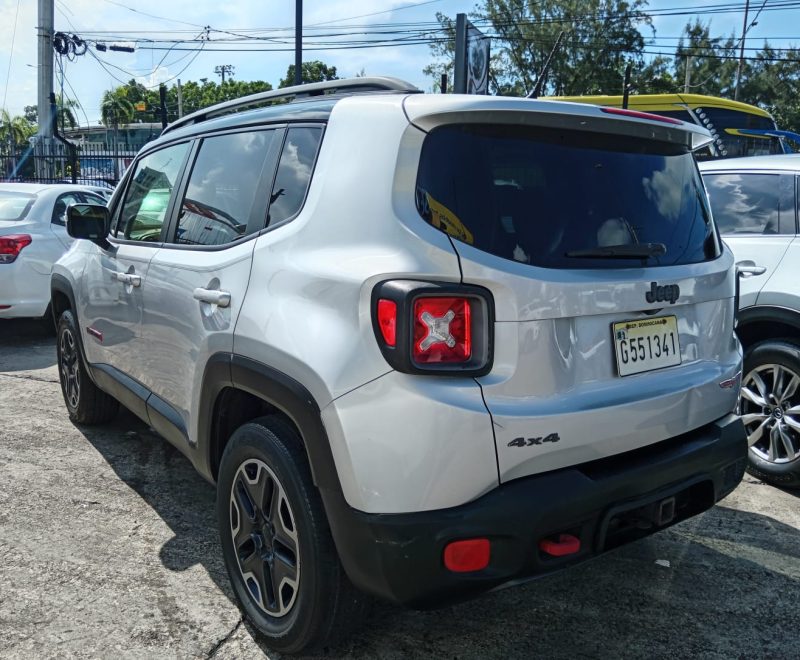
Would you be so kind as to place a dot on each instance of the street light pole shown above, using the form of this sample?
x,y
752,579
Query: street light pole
x,y
741,52
298,42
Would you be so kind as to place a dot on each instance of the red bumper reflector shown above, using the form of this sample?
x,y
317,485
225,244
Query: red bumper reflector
x,y
5,306
467,555
566,544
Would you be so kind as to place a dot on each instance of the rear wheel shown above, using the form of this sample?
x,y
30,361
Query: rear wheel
x,y
770,408
86,403
277,544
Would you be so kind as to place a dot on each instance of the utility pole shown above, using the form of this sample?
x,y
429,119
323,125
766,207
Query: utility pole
x,y
687,80
180,99
741,52
298,42
222,69
45,69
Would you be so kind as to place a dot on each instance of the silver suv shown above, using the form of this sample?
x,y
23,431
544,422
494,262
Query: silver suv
x,y
424,345
755,204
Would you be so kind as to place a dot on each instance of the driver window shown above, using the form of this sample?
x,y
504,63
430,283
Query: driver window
x,y
149,193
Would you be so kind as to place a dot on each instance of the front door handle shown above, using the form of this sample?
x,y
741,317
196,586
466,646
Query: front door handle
x,y
129,278
749,269
213,297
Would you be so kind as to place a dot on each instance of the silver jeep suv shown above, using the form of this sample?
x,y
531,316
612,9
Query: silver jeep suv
x,y
424,345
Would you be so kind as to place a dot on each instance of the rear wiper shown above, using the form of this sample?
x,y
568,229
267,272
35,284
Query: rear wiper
x,y
637,251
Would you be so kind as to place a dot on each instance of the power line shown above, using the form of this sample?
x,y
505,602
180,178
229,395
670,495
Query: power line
x,y
11,56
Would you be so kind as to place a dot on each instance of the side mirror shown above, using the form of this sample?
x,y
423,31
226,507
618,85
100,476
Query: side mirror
x,y
89,221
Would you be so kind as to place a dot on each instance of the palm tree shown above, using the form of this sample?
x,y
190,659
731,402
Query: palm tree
x,y
115,108
64,112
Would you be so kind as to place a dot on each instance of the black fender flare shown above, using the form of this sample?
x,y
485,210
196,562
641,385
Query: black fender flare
x,y
60,284
279,390
759,313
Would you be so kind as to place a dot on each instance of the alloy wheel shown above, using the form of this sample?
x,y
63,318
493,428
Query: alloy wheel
x,y
770,408
265,538
69,368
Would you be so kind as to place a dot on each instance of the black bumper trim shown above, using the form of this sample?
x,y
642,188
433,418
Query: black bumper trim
x,y
398,557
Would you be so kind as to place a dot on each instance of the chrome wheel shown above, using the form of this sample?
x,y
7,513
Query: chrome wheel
x,y
69,368
770,408
265,537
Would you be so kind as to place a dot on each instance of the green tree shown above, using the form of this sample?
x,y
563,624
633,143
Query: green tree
x,y
600,38
64,112
310,72
14,130
116,108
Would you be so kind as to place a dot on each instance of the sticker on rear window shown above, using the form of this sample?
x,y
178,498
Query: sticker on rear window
x,y
444,219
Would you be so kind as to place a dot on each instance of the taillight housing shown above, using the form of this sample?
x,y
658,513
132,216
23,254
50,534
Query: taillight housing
x,y
11,245
428,327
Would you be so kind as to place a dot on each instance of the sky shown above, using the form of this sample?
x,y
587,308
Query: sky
x,y
86,80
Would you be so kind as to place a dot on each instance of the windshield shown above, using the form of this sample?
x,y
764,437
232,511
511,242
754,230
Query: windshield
x,y
563,199
14,206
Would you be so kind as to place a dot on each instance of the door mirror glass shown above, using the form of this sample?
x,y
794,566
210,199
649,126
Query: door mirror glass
x,y
89,221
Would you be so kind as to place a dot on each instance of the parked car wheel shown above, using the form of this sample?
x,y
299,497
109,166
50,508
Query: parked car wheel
x,y
276,542
770,408
86,403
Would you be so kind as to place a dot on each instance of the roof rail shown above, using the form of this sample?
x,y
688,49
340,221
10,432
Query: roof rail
x,y
366,84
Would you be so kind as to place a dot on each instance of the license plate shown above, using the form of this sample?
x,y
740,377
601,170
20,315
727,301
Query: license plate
x,y
646,344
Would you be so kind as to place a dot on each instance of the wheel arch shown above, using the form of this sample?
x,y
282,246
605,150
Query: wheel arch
x,y
237,389
761,322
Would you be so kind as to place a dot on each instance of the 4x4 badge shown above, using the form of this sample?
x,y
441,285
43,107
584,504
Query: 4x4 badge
x,y
528,442
657,293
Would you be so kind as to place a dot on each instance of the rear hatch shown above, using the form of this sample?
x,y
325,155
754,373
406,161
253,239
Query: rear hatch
x,y
613,292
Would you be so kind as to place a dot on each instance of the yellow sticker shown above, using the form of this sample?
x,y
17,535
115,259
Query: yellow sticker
x,y
443,218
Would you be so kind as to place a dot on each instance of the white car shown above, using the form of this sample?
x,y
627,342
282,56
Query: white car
x,y
33,237
755,205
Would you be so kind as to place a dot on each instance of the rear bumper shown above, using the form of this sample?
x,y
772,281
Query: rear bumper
x,y
399,557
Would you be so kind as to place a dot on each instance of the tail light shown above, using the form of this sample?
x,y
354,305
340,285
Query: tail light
x,y
640,115
11,245
425,327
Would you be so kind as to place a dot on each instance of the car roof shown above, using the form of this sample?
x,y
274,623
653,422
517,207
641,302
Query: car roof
x,y
773,162
37,188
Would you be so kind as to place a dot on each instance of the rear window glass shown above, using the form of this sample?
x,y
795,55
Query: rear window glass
x,y
294,173
555,198
15,206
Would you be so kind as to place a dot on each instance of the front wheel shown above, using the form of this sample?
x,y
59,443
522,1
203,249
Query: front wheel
x,y
770,409
277,544
86,403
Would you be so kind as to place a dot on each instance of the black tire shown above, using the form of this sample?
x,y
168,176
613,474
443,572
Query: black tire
x,y
323,606
778,464
86,403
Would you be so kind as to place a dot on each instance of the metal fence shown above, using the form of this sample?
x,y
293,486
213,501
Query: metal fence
x,y
56,161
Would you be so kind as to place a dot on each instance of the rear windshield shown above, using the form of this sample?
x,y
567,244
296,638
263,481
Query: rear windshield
x,y
14,205
552,198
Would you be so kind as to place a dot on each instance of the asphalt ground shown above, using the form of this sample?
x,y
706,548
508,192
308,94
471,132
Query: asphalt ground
x,y
108,548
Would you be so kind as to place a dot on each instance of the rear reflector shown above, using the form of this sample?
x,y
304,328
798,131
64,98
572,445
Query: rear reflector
x,y
5,306
11,245
467,555
442,330
641,115
564,544
387,321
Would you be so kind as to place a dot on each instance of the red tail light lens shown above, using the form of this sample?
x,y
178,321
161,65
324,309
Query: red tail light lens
x,y
11,245
442,330
387,321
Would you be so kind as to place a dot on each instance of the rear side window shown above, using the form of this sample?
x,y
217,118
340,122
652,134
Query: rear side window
x,y
747,203
149,193
555,198
226,198
294,173
15,206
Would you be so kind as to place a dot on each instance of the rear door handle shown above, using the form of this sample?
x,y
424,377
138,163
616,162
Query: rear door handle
x,y
129,278
749,269
213,297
